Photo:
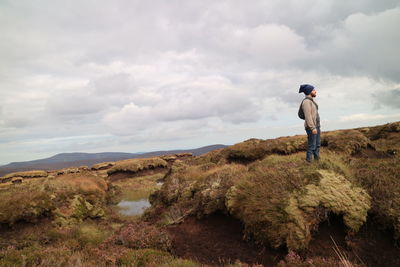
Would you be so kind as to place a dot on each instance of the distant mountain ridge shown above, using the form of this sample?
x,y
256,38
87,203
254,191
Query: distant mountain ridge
x,y
65,160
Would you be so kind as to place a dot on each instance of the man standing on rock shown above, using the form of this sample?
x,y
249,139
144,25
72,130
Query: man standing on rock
x,y
308,111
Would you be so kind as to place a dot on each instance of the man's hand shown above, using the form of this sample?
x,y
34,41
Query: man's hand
x,y
314,131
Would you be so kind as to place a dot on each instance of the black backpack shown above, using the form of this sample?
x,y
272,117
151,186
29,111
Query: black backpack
x,y
301,112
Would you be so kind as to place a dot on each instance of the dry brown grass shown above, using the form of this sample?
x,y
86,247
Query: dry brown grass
x,y
102,165
349,141
254,149
27,174
24,202
136,165
71,195
83,182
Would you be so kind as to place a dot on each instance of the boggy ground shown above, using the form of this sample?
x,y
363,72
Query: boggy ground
x,y
282,202
371,246
218,240
254,203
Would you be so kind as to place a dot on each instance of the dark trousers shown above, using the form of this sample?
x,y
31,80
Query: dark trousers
x,y
314,143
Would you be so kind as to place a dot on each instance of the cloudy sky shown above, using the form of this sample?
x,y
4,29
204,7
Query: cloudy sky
x,y
134,76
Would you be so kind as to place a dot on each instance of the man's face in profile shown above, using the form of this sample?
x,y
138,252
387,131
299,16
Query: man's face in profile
x,y
313,93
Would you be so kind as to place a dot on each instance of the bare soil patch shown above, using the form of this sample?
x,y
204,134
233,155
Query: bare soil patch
x,y
217,240
376,246
372,154
371,246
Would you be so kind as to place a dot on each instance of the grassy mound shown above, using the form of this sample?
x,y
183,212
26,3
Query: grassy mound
x,y
341,141
137,165
254,149
23,175
102,166
349,142
196,190
281,199
24,203
68,198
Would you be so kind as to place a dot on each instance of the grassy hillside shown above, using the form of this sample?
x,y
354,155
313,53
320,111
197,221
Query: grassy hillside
x,y
256,202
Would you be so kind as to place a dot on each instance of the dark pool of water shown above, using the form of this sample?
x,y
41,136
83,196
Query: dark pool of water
x,y
137,207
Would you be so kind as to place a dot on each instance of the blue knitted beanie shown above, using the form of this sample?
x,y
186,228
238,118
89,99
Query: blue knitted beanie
x,y
306,89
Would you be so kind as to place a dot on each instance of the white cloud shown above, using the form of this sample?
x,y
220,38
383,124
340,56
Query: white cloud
x,y
157,74
365,45
207,97
266,45
369,117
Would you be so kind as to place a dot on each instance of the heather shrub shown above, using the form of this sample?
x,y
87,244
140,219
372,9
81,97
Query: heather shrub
x,y
25,202
348,142
36,255
144,257
140,235
381,178
294,260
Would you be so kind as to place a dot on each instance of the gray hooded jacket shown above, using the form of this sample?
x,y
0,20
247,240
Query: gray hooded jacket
x,y
310,109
